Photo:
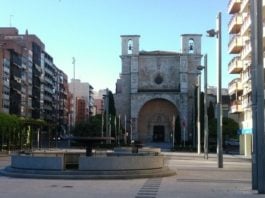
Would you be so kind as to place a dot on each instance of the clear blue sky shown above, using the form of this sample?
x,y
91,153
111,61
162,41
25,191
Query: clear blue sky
x,y
90,31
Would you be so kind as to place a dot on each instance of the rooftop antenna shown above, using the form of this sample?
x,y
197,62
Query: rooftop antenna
x,y
10,20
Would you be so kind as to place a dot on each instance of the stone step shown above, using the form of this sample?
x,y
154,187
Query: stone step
x,y
76,174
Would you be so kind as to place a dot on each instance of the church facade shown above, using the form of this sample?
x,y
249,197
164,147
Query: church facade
x,y
156,88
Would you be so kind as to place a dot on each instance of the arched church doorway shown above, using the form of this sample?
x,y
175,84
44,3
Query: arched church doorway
x,y
155,121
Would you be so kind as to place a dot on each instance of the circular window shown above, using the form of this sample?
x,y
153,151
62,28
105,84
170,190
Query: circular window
x,y
158,79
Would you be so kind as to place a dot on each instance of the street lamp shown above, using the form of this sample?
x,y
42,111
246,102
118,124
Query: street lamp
x,y
218,34
199,114
205,107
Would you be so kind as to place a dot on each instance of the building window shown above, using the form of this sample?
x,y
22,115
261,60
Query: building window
x,y
191,46
130,46
158,79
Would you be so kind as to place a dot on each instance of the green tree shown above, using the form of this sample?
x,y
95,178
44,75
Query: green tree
x,y
112,109
88,128
210,111
230,128
14,130
112,114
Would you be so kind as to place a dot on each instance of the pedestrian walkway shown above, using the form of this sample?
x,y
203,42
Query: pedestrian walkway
x,y
196,177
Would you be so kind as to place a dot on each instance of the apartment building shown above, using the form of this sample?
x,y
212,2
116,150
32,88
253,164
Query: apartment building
x,y
48,88
61,93
81,110
240,66
81,90
99,101
29,78
19,64
212,97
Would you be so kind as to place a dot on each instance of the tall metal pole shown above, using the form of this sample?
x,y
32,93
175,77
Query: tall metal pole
x,y
102,117
219,94
199,115
107,113
206,134
258,157
173,132
119,129
125,127
74,97
254,94
131,136
115,128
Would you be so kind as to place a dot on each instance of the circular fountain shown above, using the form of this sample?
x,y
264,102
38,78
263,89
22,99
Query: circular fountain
x,y
89,163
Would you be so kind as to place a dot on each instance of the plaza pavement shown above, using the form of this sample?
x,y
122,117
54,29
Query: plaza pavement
x,y
196,177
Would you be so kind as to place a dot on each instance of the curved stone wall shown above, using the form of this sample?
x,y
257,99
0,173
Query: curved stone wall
x,y
37,162
113,163
97,163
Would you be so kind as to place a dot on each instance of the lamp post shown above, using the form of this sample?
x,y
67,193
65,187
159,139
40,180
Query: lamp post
x,y
106,102
199,114
257,80
206,134
218,34
102,115
74,97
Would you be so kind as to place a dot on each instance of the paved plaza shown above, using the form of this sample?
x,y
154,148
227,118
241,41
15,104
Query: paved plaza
x,y
196,177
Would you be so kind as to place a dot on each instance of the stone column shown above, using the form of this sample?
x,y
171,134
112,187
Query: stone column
x,y
184,98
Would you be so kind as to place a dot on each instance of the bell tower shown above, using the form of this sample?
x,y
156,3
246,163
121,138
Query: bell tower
x,y
130,44
191,43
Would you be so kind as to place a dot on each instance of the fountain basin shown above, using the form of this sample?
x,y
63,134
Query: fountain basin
x,y
55,164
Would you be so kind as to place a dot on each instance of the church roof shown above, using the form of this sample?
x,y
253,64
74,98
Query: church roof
x,y
158,52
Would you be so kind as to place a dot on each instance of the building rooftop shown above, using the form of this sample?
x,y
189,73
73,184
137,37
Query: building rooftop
x,y
158,52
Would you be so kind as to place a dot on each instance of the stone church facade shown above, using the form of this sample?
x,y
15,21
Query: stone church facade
x,y
156,87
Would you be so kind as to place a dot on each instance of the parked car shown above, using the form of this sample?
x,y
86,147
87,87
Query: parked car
x,y
232,142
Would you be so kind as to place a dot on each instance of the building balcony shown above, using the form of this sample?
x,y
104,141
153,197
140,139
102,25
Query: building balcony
x,y
246,64
48,80
247,88
235,24
246,51
24,79
6,70
246,77
245,28
48,107
6,83
235,45
23,66
48,71
38,68
48,98
48,89
16,60
244,6
234,6
235,86
6,97
235,66
236,107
